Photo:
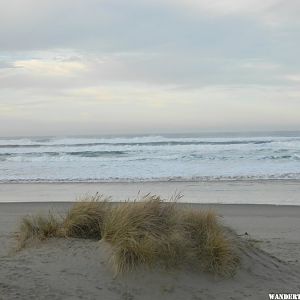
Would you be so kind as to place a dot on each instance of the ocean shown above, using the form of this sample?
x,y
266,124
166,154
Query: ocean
x,y
201,157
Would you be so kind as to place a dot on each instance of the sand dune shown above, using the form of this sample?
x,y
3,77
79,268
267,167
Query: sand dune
x,y
78,269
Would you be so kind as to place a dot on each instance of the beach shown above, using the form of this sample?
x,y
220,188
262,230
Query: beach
x,y
77,269
274,192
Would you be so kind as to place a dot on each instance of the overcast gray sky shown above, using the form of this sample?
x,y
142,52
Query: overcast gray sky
x,y
143,66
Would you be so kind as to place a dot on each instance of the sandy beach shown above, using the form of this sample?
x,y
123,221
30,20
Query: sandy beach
x,y
275,192
77,269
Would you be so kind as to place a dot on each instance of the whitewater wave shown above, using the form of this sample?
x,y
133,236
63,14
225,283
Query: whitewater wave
x,y
166,143
149,158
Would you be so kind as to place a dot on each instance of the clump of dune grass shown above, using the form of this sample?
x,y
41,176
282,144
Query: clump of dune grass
x,y
148,232
39,227
85,218
143,233
153,232
212,247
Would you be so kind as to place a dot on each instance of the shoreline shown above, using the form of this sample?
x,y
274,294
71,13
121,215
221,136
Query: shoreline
x,y
246,192
133,181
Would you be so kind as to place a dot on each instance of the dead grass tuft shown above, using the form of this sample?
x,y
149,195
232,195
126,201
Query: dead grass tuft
x,y
38,227
212,247
85,218
143,233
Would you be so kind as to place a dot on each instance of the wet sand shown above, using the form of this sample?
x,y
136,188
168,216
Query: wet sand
x,y
277,192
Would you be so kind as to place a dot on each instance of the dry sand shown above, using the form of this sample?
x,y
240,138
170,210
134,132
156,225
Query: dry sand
x,y
78,269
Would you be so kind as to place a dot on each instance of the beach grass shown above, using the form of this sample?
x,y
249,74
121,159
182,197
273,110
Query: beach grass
x,y
38,227
213,247
145,232
85,219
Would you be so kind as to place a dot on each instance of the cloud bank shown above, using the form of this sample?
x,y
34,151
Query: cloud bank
x,y
91,67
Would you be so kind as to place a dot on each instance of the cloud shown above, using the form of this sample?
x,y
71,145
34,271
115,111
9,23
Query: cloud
x,y
62,71
293,77
270,12
217,62
117,25
124,108
50,67
259,65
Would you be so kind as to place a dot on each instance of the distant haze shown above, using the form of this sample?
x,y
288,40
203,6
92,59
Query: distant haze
x,y
109,67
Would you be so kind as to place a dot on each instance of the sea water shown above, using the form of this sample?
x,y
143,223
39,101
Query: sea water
x,y
150,157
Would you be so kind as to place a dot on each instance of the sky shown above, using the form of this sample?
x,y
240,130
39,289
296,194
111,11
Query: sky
x,y
148,66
